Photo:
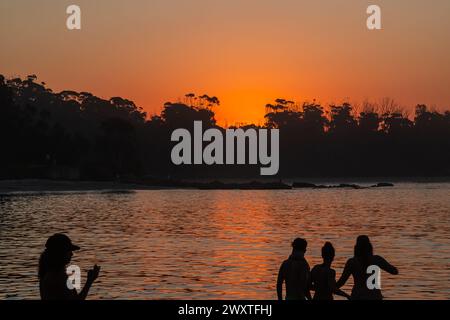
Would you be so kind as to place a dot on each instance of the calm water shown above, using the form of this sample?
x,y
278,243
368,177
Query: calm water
x,y
182,244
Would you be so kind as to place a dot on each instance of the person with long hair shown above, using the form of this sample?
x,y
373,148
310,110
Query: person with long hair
x,y
52,270
358,268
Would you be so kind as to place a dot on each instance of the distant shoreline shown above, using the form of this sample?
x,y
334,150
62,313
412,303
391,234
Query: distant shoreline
x,y
38,185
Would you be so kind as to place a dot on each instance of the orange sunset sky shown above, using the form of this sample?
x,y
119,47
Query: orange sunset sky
x,y
246,52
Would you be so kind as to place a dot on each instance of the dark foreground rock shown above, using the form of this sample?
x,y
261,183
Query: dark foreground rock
x,y
383,185
216,185
307,185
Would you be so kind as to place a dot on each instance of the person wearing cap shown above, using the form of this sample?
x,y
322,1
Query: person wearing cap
x,y
295,272
52,270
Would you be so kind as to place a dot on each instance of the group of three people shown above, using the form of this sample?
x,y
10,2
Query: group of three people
x,y
300,280
295,272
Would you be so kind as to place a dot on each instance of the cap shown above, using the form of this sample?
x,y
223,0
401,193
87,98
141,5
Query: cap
x,y
60,242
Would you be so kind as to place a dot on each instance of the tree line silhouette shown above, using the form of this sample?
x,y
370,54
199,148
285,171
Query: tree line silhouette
x,y
77,135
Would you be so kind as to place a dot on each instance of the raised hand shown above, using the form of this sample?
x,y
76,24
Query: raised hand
x,y
93,274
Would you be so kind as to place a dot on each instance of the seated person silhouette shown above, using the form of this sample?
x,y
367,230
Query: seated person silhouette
x,y
358,268
52,270
295,272
323,277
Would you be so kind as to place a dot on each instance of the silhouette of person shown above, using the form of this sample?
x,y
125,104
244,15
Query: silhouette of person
x,y
52,270
357,267
295,272
323,277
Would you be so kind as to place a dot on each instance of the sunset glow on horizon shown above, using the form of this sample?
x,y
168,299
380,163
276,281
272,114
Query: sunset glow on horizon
x,y
247,53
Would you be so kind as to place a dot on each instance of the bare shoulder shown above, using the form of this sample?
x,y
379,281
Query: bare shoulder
x,y
315,268
284,264
350,263
378,259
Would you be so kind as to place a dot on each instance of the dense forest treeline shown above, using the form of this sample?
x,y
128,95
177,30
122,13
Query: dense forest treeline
x,y
76,135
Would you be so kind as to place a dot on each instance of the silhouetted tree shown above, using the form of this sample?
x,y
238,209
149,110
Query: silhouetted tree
x,y
43,131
